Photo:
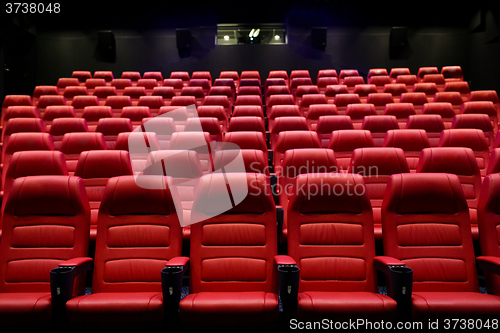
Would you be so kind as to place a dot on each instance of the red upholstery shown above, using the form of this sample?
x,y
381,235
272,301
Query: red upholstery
x,y
17,125
24,141
418,99
358,111
254,160
179,114
279,99
184,76
432,124
204,124
476,120
296,162
327,124
363,90
138,232
45,222
343,143
185,169
95,167
460,86
154,102
378,126
401,111
444,109
483,107
82,76
111,128
121,83
18,111
205,84
196,91
426,225
471,138
422,71
293,140
330,237
61,126
488,222
318,110
216,111
281,124
285,110
135,114
74,143
247,123
117,103
461,162
452,97
429,88
201,142
232,272
376,165
246,140
310,99
163,127
412,141
396,89
396,71
343,99
139,144
248,110
452,73
380,81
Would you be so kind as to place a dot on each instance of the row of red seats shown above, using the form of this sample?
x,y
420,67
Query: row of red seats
x,y
188,156
329,270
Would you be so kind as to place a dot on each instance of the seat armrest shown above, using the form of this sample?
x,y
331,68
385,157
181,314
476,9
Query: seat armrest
x,y
490,264
399,279
171,284
288,284
62,278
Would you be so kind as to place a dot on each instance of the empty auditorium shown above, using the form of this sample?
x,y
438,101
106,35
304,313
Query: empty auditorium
x,y
230,166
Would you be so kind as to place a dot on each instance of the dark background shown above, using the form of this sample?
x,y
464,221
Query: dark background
x,y
37,49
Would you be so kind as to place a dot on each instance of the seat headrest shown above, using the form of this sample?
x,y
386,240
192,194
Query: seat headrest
x,y
123,196
245,140
464,137
328,124
297,139
407,139
233,193
159,125
136,142
375,161
135,113
61,126
457,160
428,122
21,111
58,111
47,195
330,193
103,164
473,120
94,113
486,107
293,123
425,193
114,126
254,160
445,109
307,160
175,163
28,141
37,162
348,140
380,123
76,142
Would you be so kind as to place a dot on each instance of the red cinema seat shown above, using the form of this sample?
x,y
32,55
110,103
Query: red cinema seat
x,y
139,144
325,81
279,99
92,114
395,89
92,83
153,102
178,114
363,90
444,109
82,76
418,99
461,162
176,84
165,92
49,100
95,167
32,163
461,87
117,103
378,127
17,125
432,124
184,76
45,225
328,124
482,107
401,111
429,88
111,128
215,111
452,73
57,111
380,100
18,111
342,100
149,84
64,82
318,110
137,229
282,124
327,73
254,160
205,84
195,91
106,75
295,163
206,124
347,73
426,225
352,81
395,72
476,120
248,110
380,81
74,143
164,127
103,92
358,112
293,140
422,71
488,222
219,100
343,143
201,142
438,79
121,83
21,142
246,140
310,99
452,97
330,238
131,75
185,169
408,80
61,126
224,91
376,165
471,138
279,111
244,235
157,75
43,90
136,114
250,123
412,141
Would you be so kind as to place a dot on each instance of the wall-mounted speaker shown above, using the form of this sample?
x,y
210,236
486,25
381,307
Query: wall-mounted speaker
x,y
398,42
318,38
106,46
184,38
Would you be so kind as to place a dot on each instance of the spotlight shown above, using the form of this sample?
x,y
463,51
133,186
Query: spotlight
x,y
226,37
277,37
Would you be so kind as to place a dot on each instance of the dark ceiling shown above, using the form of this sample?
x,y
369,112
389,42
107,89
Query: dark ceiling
x,y
93,14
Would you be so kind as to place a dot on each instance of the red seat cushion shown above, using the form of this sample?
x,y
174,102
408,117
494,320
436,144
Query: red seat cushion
x,y
447,305
317,305
25,307
230,307
132,307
